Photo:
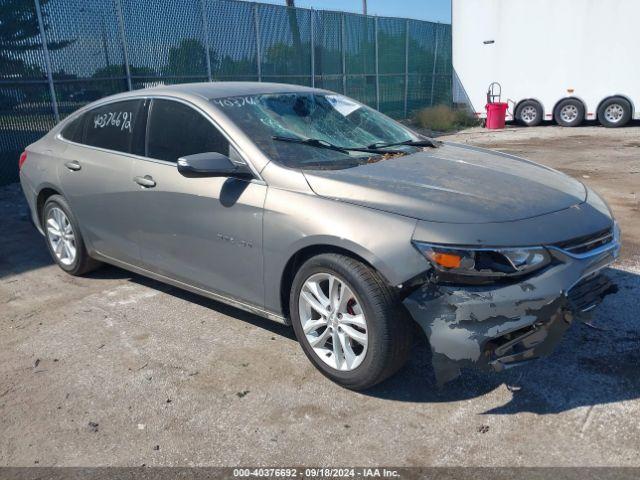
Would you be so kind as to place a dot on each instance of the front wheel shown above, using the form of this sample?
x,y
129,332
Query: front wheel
x,y
348,321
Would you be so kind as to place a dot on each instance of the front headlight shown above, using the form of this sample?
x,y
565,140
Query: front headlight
x,y
483,264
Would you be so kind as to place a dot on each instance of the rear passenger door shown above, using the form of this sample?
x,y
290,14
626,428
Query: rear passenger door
x,y
205,232
96,175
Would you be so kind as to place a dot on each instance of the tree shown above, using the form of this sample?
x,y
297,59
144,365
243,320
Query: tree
x,y
19,34
230,67
117,71
281,59
189,58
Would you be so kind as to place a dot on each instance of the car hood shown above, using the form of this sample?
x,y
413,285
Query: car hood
x,y
454,184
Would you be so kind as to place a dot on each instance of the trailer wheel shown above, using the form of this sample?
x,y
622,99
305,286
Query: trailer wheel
x,y
529,113
614,112
569,112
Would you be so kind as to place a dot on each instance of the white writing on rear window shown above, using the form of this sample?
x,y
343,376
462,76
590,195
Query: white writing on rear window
x,y
119,120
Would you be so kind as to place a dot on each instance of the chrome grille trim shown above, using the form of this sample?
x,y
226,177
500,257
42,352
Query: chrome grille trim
x,y
587,242
591,245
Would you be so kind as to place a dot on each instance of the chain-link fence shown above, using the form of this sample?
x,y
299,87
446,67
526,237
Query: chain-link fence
x,y
57,55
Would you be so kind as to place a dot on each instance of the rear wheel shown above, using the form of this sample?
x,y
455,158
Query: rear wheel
x,y
348,321
614,112
529,113
64,240
569,112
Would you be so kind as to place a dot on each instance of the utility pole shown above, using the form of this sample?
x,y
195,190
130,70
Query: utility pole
x,y
295,30
364,7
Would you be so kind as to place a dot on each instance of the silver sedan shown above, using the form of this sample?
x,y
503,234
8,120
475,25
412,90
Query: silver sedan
x,y
311,209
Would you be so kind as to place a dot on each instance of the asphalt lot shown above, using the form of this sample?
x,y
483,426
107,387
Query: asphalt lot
x,y
115,369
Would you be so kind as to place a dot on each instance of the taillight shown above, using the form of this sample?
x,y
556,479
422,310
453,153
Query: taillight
x,y
23,158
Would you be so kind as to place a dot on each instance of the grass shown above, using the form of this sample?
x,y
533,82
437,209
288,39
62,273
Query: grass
x,y
442,118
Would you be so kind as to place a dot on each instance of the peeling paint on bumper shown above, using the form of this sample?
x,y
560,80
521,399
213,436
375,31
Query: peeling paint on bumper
x,y
493,327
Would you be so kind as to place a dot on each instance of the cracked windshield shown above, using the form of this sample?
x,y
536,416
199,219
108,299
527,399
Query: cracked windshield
x,y
303,130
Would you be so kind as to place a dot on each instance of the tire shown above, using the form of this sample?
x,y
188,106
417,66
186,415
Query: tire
x,y
569,112
388,327
614,112
81,262
529,113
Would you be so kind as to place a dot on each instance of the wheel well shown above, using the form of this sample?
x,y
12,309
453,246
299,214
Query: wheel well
x,y
515,110
617,96
569,98
301,256
44,194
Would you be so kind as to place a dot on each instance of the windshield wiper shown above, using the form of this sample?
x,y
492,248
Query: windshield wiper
x,y
315,142
427,142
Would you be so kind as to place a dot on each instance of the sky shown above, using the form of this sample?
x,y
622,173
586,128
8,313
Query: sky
x,y
433,10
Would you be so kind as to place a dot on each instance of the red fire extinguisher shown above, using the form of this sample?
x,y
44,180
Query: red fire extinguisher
x,y
496,109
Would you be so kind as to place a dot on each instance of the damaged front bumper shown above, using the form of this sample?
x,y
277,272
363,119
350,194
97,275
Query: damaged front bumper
x,y
498,326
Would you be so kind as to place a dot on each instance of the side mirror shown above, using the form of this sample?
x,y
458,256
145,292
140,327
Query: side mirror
x,y
211,164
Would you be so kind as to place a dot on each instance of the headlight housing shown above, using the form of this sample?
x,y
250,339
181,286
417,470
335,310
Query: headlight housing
x,y
479,265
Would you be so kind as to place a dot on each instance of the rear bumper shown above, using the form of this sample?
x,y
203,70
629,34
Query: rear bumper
x,y
496,327
31,197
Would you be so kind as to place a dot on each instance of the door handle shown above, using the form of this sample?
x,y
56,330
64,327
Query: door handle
x,y
73,165
147,181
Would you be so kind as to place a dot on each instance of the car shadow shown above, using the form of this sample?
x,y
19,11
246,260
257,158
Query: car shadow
x,y
109,272
595,364
22,248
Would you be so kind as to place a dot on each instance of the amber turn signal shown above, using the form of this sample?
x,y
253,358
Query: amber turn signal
x,y
447,260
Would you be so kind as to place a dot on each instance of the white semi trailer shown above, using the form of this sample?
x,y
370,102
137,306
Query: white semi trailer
x,y
562,60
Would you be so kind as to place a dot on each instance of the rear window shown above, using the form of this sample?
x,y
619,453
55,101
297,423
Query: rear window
x,y
118,126
74,129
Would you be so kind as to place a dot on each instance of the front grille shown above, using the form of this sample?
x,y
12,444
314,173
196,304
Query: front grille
x,y
587,243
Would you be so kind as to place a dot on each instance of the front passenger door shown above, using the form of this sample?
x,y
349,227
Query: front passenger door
x,y
206,232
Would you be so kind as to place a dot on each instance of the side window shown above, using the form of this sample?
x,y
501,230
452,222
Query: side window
x,y
176,130
118,126
74,129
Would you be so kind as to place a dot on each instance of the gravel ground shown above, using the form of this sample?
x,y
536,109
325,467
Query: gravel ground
x,y
115,369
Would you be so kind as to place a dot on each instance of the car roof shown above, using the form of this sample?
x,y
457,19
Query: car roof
x,y
211,90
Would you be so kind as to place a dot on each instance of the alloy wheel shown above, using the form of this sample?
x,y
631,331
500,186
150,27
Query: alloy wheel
x,y
61,236
614,113
528,114
569,113
333,321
